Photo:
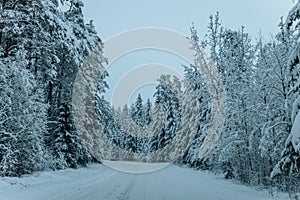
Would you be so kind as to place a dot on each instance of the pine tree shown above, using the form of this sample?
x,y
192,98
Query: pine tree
x,y
137,115
169,101
67,145
146,112
140,112
194,81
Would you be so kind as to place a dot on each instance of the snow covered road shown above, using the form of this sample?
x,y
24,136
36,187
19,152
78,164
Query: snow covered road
x,y
98,182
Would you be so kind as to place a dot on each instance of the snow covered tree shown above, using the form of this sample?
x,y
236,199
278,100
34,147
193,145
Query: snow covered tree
x,y
22,120
137,111
194,80
53,42
147,110
67,145
271,120
233,53
167,96
140,112
290,162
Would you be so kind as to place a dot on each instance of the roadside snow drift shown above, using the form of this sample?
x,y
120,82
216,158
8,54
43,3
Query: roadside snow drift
x,y
98,182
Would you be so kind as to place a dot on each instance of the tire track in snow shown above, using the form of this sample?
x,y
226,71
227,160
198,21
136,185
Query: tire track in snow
x,y
122,191
83,192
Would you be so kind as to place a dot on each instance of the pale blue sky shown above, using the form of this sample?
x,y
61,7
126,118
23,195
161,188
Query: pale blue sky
x,y
112,17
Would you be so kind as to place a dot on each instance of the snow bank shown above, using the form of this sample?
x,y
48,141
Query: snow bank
x,y
100,183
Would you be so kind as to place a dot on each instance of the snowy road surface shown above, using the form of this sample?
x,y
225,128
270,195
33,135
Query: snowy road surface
x,y
98,182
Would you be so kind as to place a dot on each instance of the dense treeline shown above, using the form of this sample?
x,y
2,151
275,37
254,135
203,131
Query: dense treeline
x,y
260,140
42,43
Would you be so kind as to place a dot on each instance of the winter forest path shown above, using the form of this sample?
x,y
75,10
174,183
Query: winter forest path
x,y
98,182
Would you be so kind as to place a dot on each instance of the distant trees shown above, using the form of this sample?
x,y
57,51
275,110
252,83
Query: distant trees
x,y
140,113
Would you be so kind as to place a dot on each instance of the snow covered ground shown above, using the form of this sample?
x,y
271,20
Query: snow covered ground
x,y
98,182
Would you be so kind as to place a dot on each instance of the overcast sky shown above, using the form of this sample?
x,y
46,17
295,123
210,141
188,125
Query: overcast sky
x,y
112,16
